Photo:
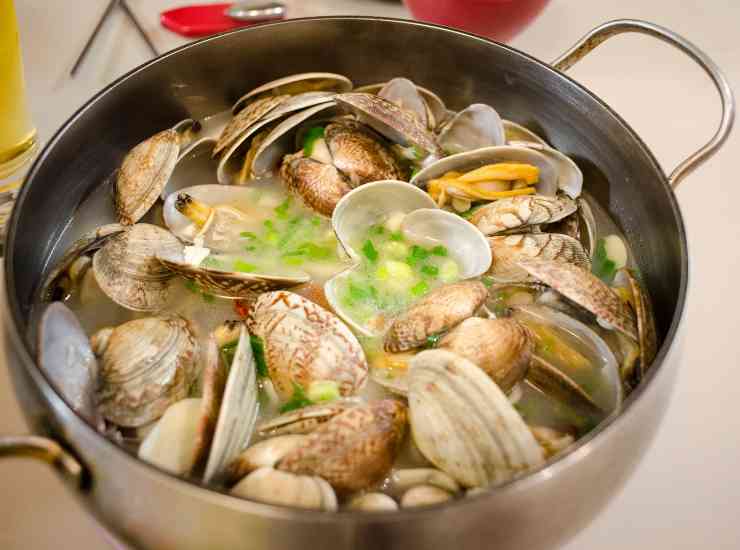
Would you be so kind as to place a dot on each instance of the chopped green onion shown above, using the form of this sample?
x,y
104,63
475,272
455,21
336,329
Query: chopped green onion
x,y
208,298
415,171
377,229
439,250
250,248
212,262
294,260
316,221
298,401
258,350
396,236
358,293
228,351
272,237
248,235
323,391
419,152
309,141
281,211
192,286
245,267
368,249
420,289
430,270
417,255
488,281
603,267
433,340
269,224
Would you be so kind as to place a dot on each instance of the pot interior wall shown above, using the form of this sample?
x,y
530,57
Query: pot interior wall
x,y
207,77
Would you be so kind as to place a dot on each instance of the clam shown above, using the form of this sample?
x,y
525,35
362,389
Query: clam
x,y
517,212
405,94
502,348
436,109
552,441
507,249
397,124
306,419
373,502
475,127
464,424
144,174
489,173
276,487
65,356
127,270
145,366
424,495
639,299
305,343
355,449
406,478
264,454
69,270
570,177
586,290
294,85
245,119
347,155
439,311
571,362
517,132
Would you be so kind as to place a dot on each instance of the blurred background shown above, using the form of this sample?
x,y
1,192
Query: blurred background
x,y
685,493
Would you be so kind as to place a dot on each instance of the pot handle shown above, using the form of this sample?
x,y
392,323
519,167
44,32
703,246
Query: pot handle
x,y
612,28
46,450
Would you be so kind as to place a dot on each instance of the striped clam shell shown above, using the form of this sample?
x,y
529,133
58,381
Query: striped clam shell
x,y
515,212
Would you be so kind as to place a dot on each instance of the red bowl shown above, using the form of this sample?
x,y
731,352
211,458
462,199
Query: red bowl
x,y
500,20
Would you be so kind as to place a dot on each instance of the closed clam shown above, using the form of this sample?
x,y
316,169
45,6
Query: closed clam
x,y
127,270
305,343
145,366
517,212
424,495
501,347
355,449
264,454
287,489
373,502
464,424
438,311
507,249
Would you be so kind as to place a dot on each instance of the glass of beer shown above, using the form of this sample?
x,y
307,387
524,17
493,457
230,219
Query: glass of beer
x,y
17,133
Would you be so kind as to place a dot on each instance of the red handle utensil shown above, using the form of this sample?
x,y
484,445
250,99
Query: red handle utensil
x,y
207,19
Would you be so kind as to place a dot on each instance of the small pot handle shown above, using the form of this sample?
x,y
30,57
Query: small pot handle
x,y
46,450
619,26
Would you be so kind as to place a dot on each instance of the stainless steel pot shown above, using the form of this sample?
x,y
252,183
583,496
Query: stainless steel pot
x,y
147,508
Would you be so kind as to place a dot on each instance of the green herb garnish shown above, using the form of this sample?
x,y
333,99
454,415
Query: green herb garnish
x,y
309,141
419,289
244,267
281,211
603,267
369,250
248,235
258,350
430,270
323,391
228,351
433,340
298,401
417,254
488,281
396,236
439,250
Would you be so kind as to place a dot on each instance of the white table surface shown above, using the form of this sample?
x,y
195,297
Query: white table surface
x,y
686,493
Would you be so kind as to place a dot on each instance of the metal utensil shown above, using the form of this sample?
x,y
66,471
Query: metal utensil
x,y
251,11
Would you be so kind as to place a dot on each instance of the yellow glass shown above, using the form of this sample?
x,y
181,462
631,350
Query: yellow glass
x,y
17,133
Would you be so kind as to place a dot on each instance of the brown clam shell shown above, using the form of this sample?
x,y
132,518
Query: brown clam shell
x,y
501,347
355,449
514,212
440,310
246,118
320,185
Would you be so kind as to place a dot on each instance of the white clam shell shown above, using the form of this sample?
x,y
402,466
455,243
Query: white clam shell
x,y
406,95
517,132
475,127
433,101
570,177
464,424
424,495
471,160
326,81
277,487
373,502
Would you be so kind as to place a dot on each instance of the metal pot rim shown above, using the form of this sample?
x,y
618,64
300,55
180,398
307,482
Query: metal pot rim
x,y
582,447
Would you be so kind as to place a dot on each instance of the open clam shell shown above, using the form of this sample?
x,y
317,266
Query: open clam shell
x,y
471,160
586,290
145,366
439,311
246,119
60,279
127,270
507,249
395,123
144,174
296,84
305,343
232,159
306,419
517,132
517,212
194,165
238,413
279,141
475,127
642,305
570,375
354,450
570,177
65,355
435,105
464,424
